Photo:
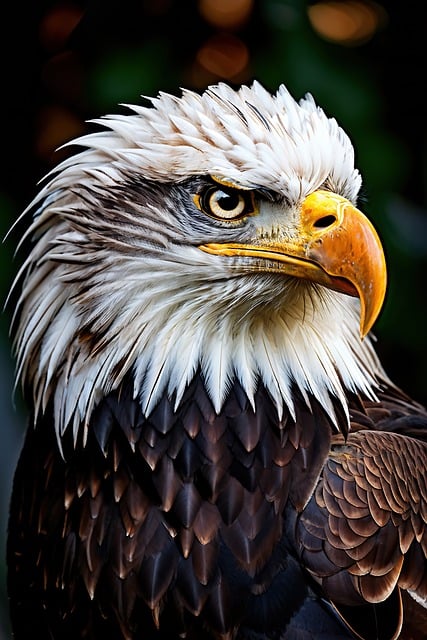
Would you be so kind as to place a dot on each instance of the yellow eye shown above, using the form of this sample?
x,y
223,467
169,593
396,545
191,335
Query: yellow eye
x,y
225,203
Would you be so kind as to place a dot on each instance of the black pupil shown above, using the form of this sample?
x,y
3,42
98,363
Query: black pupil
x,y
227,201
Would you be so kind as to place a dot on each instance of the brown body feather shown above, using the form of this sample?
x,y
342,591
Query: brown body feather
x,y
192,523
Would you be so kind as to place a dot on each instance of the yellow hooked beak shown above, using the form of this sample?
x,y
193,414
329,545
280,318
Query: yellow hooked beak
x,y
334,245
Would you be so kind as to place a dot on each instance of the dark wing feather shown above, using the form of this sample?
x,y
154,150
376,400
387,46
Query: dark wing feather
x,y
168,525
186,521
363,533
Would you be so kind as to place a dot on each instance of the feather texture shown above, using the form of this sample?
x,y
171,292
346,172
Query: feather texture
x,y
118,251
213,452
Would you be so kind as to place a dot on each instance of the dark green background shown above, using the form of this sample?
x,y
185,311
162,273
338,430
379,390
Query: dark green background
x,y
121,50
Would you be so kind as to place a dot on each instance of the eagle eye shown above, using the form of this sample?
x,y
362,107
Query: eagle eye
x,y
225,203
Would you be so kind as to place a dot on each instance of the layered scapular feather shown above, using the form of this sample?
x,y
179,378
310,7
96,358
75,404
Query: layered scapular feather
x,y
115,281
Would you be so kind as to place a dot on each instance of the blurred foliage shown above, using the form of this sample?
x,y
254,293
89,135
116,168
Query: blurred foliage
x,y
66,61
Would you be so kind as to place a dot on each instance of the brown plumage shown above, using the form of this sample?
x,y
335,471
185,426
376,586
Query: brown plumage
x,y
214,451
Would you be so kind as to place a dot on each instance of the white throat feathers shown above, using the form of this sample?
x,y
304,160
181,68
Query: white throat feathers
x,y
115,281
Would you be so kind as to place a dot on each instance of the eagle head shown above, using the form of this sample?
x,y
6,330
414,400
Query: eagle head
x,y
214,233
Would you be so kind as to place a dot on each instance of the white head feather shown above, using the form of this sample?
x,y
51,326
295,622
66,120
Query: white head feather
x,y
114,284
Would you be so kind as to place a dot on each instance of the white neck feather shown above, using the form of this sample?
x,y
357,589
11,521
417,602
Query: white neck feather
x,y
164,320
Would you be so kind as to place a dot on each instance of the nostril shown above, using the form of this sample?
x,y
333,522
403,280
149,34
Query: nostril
x,y
325,221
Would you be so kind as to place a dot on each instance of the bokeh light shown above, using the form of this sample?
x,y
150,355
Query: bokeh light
x,y
226,14
55,125
57,25
223,56
348,23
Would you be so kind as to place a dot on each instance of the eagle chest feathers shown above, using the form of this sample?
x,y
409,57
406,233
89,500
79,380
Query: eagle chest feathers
x,y
214,449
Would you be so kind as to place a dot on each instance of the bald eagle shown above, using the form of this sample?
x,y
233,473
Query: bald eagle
x,y
214,450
